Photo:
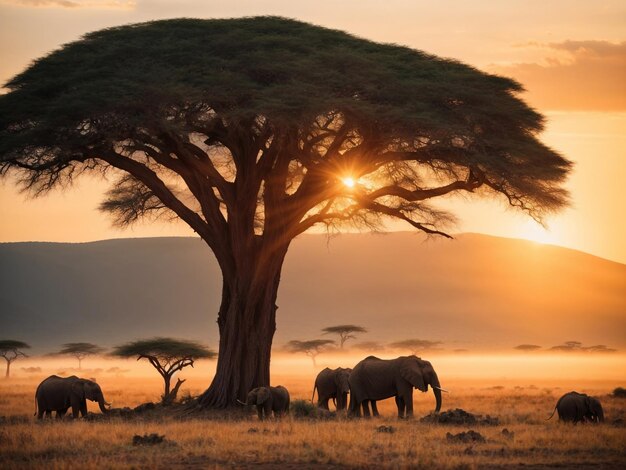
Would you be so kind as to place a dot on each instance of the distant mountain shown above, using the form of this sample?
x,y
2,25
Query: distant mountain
x,y
474,292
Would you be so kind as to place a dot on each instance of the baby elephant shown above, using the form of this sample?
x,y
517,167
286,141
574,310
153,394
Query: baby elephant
x,y
268,400
575,407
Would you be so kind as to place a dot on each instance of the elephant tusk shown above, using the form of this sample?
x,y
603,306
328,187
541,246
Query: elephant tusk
x,y
241,403
439,388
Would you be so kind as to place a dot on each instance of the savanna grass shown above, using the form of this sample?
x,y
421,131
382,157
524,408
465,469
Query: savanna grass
x,y
214,442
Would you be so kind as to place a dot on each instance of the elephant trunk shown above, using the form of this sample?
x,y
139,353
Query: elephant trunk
x,y
103,404
437,391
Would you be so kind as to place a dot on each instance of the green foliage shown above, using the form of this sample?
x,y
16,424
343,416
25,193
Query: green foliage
x,y
164,348
117,86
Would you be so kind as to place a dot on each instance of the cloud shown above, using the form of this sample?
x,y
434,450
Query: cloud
x,y
573,75
104,4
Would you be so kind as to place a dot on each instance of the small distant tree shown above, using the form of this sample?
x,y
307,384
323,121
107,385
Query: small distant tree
x,y
80,351
311,348
167,356
527,347
416,345
11,350
345,332
568,346
599,348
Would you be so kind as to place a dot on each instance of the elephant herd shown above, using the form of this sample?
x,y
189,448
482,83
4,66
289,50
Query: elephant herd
x,y
370,380
375,379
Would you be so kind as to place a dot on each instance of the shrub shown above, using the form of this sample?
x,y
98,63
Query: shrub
x,y
619,392
303,409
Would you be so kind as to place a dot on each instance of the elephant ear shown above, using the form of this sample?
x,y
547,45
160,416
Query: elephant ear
x,y
91,389
78,389
263,395
411,372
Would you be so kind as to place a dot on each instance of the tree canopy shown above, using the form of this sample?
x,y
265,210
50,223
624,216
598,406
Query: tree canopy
x,y
80,351
345,332
10,350
254,130
168,356
416,345
311,348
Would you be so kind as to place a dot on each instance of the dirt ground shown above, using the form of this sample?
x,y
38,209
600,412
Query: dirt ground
x,y
214,440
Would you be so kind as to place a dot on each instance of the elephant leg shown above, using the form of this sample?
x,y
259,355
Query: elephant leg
x,y
366,409
259,412
400,404
83,408
374,408
48,414
408,404
342,399
353,407
323,403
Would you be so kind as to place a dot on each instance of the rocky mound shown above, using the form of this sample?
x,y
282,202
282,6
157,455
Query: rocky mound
x,y
459,417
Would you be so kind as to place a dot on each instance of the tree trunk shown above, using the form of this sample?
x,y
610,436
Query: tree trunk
x,y
247,322
171,397
166,391
8,369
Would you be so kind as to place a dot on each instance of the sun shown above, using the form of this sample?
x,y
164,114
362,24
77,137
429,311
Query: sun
x,y
349,182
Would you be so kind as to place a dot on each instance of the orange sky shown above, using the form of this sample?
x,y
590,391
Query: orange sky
x,y
570,55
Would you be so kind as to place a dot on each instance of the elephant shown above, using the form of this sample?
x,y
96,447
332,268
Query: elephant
x,y
268,400
332,384
576,407
375,379
60,393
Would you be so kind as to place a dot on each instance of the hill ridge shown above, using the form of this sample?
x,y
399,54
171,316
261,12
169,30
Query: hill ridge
x,y
474,292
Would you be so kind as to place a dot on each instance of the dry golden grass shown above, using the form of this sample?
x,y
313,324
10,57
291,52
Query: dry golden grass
x,y
217,443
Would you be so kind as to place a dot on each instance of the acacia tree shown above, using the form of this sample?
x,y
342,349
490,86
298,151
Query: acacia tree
x,y
311,348
11,350
80,351
168,356
416,345
345,332
254,130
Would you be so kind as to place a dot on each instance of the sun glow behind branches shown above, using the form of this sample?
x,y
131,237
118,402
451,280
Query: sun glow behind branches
x,y
348,181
